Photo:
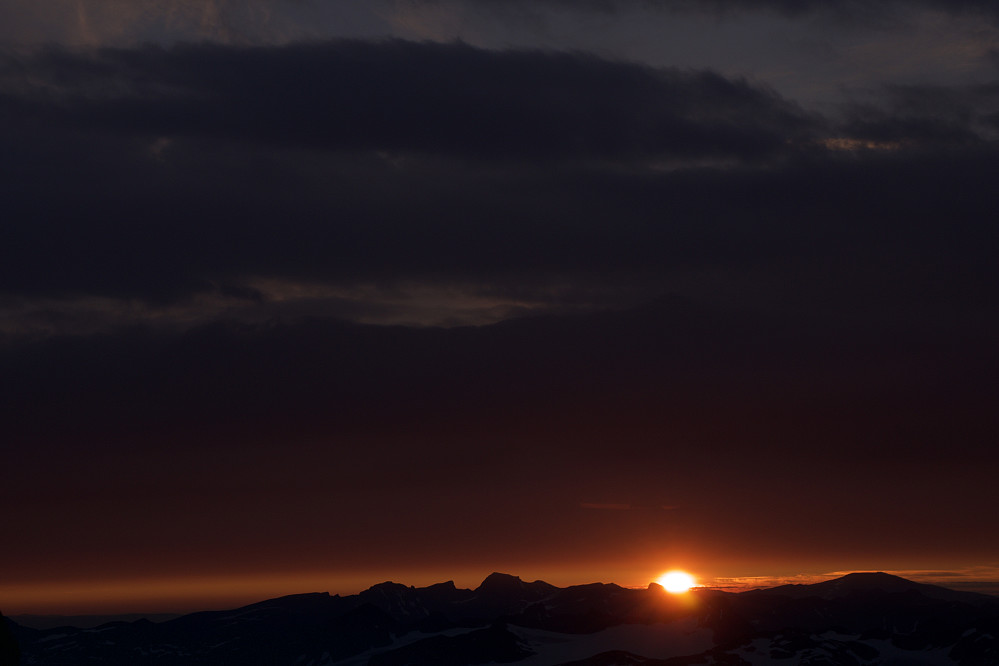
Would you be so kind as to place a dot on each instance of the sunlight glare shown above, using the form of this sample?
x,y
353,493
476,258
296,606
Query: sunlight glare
x,y
676,581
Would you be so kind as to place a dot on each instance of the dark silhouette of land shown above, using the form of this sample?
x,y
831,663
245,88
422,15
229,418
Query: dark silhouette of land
x,y
861,618
9,652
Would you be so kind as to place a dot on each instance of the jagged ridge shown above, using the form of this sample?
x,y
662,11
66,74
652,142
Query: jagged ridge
x,y
856,619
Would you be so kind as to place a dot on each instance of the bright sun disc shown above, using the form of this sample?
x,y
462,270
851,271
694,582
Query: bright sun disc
x,y
676,581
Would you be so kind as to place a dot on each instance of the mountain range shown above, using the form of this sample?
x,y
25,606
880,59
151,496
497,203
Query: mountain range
x,y
859,619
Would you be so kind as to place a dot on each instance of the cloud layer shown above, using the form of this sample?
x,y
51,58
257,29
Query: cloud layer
x,y
160,174
403,97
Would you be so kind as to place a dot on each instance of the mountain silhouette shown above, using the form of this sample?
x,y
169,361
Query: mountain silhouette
x,y
868,582
858,619
9,652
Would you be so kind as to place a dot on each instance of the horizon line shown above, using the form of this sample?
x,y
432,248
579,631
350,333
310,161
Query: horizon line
x,y
191,594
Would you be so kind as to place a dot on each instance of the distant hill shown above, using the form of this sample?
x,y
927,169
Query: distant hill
x,y
866,582
859,619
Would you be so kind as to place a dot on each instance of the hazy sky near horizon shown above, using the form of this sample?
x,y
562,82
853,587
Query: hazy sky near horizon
x,y
296,290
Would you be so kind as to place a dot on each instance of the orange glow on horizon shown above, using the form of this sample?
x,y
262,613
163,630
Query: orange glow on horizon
x,y
192,593
101,595
169,594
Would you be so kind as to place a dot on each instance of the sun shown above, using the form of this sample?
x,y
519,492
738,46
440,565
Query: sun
x,y
677,581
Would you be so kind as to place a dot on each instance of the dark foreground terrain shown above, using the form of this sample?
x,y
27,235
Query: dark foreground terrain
x,y
859,619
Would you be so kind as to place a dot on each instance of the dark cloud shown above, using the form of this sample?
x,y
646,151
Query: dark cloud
x,y
927,115
165,174
406,97
158,173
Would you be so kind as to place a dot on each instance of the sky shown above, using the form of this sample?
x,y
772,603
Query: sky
x,y
306,296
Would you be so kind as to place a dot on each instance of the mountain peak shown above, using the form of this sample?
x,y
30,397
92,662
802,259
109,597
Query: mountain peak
x,y
870,575
861,580
868,582
387,585
499,586
500,581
